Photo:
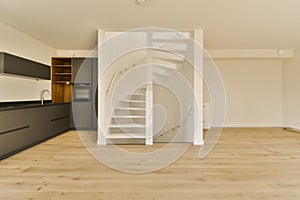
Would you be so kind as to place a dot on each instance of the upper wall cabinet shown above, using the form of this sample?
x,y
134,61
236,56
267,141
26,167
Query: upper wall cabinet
x,y
82,69
14,65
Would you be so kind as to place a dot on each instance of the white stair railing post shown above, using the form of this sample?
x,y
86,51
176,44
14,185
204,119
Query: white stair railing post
x,y
149,95
149,115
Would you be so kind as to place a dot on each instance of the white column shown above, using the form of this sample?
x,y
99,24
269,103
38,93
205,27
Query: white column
x,y
149,95
101,137
149,115
198,88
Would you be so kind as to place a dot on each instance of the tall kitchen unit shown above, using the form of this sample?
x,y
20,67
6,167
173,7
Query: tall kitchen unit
x,y
84,97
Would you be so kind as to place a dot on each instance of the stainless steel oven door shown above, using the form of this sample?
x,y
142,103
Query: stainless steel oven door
x,y
82,92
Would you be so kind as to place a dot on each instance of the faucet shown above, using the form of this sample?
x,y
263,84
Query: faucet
x,y
42,96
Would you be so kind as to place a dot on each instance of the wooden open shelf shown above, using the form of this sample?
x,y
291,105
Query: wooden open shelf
x,y
62,66
62,76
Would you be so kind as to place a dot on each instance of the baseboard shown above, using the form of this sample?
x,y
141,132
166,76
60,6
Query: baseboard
x,y
252,126
200,142
293,129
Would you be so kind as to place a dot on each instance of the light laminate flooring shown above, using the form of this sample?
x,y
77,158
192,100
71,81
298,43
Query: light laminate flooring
x,y
246,163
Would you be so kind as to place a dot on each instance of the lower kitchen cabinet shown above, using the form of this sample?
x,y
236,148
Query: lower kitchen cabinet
x,y
39,123
82,115
15,131
60,119
23,128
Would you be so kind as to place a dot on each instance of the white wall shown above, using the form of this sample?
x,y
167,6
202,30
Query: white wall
x,y
253,89
291,91
78,53
17,43
20,44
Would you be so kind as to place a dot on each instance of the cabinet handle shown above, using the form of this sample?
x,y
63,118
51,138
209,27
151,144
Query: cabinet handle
x,y
55,119
13,130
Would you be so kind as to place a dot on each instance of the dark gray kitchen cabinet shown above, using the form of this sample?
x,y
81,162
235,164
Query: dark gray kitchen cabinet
x,y
94,93
83,113
39,123
14,130
15,119
60,119
82,70
15,65
25,127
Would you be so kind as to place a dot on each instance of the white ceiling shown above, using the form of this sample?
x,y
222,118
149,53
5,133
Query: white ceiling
x,y
73,24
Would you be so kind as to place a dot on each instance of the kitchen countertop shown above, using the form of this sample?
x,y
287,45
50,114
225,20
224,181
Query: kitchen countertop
x,y
24,105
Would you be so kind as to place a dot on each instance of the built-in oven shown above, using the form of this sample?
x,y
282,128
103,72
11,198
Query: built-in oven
x,y
82,92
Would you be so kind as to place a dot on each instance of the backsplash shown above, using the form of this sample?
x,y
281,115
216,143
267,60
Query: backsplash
x,y
22,89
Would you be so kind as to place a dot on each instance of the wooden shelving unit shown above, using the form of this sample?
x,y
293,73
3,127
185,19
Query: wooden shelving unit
x,y
62,76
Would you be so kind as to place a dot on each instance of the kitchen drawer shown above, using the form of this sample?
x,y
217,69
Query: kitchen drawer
x,y
60,125
14,140
59,111
13,120
82,115
22,128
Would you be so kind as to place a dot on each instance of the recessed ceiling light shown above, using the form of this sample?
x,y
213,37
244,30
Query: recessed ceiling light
x,y
280,52
141,2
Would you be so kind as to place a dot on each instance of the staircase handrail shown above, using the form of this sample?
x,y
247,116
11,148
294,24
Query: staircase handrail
x,y
112,81
176,126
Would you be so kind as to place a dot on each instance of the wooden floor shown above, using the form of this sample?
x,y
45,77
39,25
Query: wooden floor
x,y
246,163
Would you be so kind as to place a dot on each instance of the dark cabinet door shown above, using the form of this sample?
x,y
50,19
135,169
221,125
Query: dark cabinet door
x,y
82,114
82,70
22,128
16,65
14,119
14,130
59,119
94,93
39,123
13,141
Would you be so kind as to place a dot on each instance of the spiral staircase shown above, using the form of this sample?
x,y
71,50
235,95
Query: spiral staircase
x,y
131,114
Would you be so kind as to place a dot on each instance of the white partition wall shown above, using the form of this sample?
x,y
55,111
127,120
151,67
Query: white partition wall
x,y
101,139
